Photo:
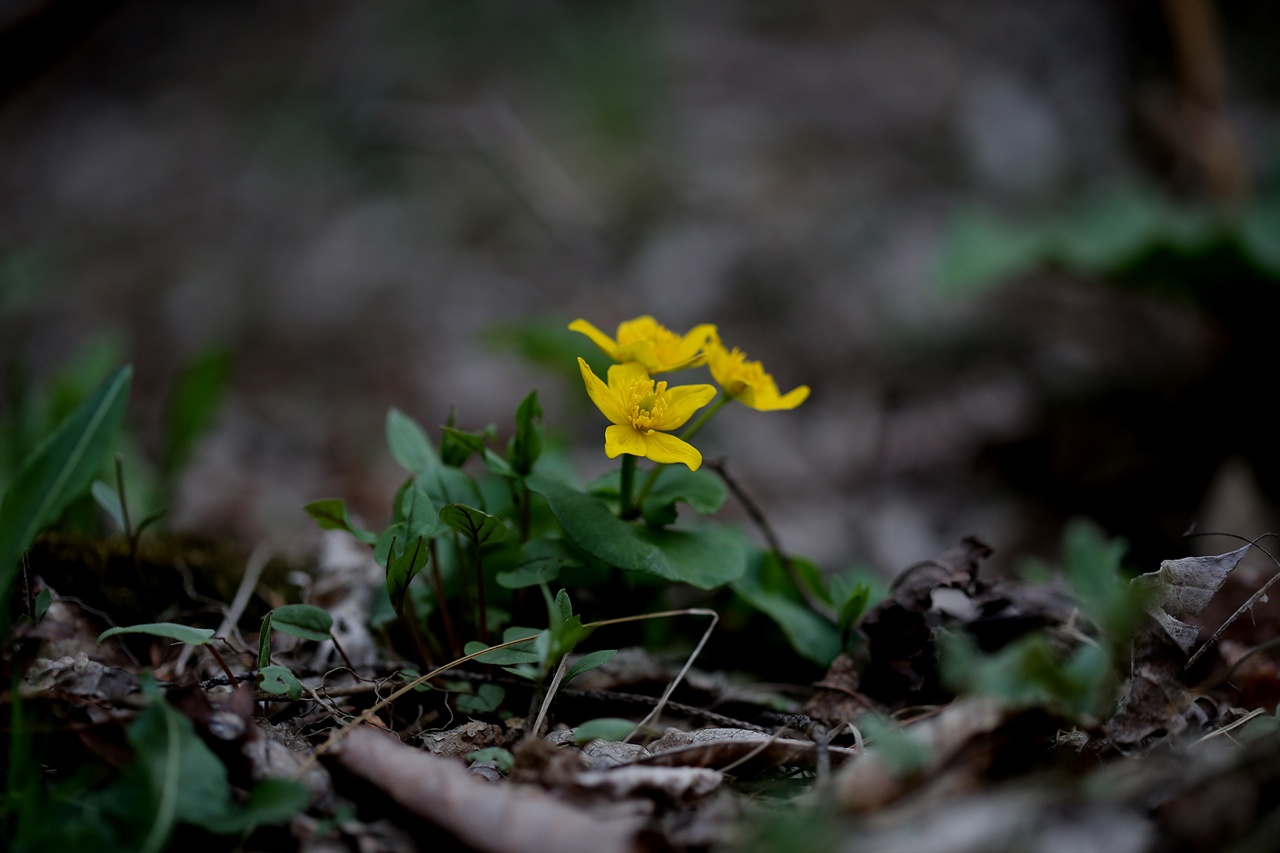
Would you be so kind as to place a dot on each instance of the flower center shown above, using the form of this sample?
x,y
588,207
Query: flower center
x,y
648,405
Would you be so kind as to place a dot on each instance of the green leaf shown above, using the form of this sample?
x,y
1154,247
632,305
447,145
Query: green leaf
x,y
271,801
418,510
397,536
502,757
979,252
109,499
604,728
477,525
486,699
531,573
564,630
44,599
179,777
402,569
331,514
590,661
526,444
279,680
148,520
1028,672
58,471
702,491
409,444
706,558
849,599
497,464
540,562
469,442
514,655
302,620
1093,564
197,393
903,753
175,778
767,588
168,630
264,643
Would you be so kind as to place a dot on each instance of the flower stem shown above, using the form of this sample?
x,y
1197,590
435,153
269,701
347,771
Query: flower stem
x,y
689,433
625,507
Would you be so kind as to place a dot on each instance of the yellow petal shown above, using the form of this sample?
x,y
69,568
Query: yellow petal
x,y
643,328
683,401
697,340
667,449
623,439
606,399
771,402
621,378
607,344
721,363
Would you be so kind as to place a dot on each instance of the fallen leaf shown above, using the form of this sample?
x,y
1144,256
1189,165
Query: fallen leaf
x,y
1182,588
487,817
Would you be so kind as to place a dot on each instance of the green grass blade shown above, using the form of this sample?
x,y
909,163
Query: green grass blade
x,y
59,470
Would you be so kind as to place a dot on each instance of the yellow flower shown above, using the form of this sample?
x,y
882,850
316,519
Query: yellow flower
x,y
654,346
642,411
747,382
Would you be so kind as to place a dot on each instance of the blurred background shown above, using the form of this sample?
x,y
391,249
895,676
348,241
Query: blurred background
x,y
1025,254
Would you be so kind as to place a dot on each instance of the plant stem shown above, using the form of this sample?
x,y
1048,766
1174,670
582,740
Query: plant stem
x,y
625,507
689,433
222,663
482,615
438,583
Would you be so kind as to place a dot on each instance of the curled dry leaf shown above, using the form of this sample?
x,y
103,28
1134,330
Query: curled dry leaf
x,y
507,818
1157,704
1182,588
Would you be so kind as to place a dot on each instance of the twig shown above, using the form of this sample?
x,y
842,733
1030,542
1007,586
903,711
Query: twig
x,y
551,692
257,562
720,466
1253,599
666,694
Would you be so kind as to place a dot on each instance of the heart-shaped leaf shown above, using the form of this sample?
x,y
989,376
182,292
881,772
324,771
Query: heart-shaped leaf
x,y
477,525
402,569
706,558
526,444
302,620
409,444
279,680
332,514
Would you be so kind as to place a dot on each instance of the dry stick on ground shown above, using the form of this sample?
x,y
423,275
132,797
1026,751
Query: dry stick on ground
x,y
254,566
368,714
662,702
720,466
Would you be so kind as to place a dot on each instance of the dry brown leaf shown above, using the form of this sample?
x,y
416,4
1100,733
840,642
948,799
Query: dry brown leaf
x,y
870,782
506,818
1182,588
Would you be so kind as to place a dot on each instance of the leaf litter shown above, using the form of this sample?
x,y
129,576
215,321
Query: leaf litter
x,y
916,738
